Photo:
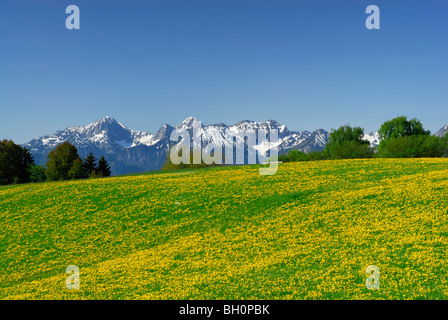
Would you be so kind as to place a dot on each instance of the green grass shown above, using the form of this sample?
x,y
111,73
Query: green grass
x,y
307,232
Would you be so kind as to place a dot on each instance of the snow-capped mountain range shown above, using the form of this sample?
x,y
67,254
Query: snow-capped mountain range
x,y
129,151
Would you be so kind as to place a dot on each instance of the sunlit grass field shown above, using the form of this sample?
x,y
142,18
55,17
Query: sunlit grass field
x,y
307,232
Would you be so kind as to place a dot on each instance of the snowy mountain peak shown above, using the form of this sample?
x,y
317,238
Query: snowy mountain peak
x,y
373,137
129,150
188,122
106,121
163,133
106,133
442,131
244,122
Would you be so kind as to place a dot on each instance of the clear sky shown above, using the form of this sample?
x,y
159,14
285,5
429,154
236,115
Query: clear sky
x,y
308,64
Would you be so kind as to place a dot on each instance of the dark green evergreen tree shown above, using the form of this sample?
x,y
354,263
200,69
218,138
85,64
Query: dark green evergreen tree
x,y
14,163
89,165
37,173
103,168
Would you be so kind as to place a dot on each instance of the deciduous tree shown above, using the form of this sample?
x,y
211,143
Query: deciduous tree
x,y
60,162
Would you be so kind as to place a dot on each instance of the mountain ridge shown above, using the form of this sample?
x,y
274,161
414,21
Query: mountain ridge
x,y
129,150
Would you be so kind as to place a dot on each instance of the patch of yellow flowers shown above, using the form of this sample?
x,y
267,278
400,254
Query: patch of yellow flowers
x,y
307,232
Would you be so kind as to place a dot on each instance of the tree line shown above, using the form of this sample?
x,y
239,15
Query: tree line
x,y
400,138
17,165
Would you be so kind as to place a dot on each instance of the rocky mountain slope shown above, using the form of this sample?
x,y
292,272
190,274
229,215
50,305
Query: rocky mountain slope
x,y
129,151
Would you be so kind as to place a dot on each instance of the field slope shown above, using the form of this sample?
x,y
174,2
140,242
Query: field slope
x,y
307,232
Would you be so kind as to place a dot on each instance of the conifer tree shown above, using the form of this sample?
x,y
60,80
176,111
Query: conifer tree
x,y
15,162
103,168
89,165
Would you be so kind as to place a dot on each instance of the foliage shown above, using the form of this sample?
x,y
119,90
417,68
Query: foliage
x,y
347,143
14,163
89,165
351,150
316,155
103,168
37,173
60,162
415,146
77,170
401,127
403,138
295,155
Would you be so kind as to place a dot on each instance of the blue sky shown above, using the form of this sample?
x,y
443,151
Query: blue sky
x,y
307,64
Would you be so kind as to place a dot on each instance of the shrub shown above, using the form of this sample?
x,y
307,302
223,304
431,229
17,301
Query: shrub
x,y
415,146
347,143
37,173
351,150
295,155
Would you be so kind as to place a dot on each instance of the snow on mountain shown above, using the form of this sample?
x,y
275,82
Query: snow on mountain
x,y
442,131
129,151
106,131
373,137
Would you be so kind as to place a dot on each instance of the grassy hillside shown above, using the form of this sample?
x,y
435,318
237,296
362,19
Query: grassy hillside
x,y
307,232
